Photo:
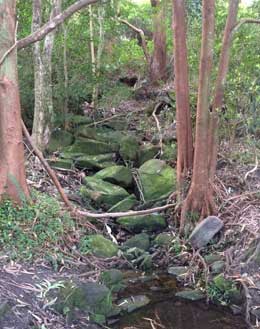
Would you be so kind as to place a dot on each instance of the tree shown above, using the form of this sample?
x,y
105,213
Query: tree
x,y
12,171
43,102
159,56
12,166
181,84
200,196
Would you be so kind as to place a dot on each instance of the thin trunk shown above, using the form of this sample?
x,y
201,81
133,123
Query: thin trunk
x,y
183,117
199,199
12,170
92,51
159,57
66,77
43,108
220,83
100,49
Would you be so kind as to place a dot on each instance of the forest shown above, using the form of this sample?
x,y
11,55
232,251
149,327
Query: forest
x,y
129,164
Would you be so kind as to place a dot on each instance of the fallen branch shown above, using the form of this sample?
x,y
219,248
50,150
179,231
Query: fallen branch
x,y
73,209
158,127
142,36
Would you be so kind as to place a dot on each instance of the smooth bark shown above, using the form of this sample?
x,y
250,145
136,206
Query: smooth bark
x,y
12,172
159,56
220,84
181,84
199,199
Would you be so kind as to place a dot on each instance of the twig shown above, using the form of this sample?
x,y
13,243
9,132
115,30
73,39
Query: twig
x,y
252,170
158,126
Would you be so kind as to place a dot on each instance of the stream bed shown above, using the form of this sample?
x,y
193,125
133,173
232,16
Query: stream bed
x,y
166,311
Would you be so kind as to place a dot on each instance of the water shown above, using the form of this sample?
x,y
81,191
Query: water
x,y
168,312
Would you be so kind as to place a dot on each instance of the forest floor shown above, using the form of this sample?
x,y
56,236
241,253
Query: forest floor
x,y
23,286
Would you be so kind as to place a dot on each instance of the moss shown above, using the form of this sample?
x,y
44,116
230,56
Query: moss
x,y
98,246
148,223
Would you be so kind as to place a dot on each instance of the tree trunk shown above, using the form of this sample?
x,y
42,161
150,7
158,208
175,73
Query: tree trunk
x,y
43,106
220,83
181,83
199,199
159,57
12,171
66,78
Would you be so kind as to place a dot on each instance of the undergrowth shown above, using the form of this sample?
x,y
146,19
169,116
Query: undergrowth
x,y
34,229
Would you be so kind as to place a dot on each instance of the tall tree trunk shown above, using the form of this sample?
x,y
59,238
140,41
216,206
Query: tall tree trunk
x,y
220,83
12,171
159,57
92,51
181,83
43,106
66,77
100,48
199,199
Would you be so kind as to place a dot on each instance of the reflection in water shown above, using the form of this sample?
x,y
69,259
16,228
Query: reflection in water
x,y
169,312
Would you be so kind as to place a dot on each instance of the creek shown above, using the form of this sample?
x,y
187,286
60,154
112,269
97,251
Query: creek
x,y
167,311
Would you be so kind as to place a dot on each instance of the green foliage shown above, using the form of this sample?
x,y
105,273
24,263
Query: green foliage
x,y
27,231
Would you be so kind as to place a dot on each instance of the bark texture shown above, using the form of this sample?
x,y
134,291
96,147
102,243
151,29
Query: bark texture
x,y
199,199
43,104
181,83
159,56
220,84
12,171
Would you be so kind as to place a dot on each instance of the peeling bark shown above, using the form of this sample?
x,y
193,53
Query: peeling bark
x,y
12,171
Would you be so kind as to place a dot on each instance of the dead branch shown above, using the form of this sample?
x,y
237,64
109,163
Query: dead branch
x,y
158,126
141,33
53,24
245,21
73,209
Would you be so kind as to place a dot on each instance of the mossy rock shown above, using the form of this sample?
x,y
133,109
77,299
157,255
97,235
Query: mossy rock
x,y
163,239
102,134
124,205
157,179
99,246
169,152
76,119
102,193
133,303
141,241
137,224
113,279
147,152
59,139
129,148
90,147
94,162
192,295
119,175
62,163
91,298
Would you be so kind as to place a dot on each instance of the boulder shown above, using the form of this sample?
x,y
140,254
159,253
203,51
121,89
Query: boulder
x,y
137,224
193,295
147,152
59,139
124,205
94,162
217,267
158,180
101,134
178,271
119,175
163,239
102,193
133,303
61,163
91,298
205,231
140,241
129,148
75,120
90,147
113,279
99,246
